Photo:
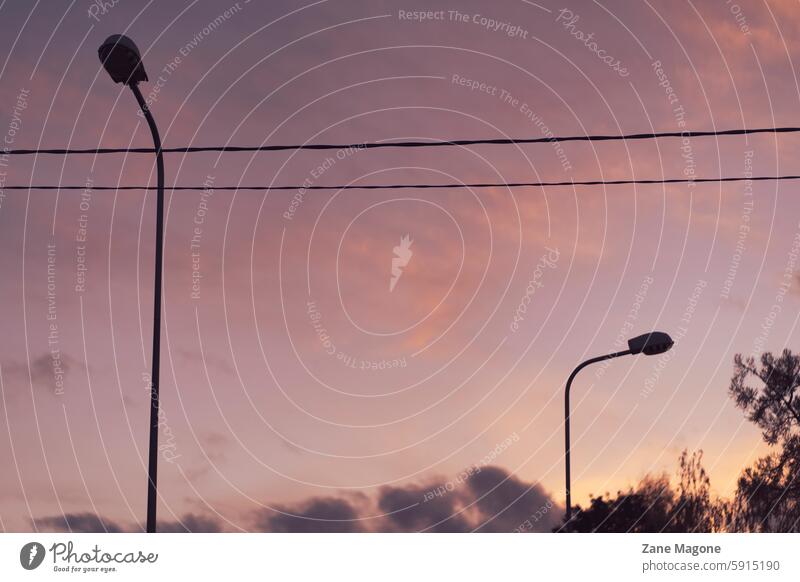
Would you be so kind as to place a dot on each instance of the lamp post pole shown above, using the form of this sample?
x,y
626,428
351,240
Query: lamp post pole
x,y
152,472
566,419
121,59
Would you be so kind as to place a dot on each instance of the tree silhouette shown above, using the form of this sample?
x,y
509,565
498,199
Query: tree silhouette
x,y
654,506
643,510
775,406
768,493
695,510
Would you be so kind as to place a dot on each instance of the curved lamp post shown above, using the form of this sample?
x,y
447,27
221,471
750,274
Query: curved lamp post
x,y
122,60
655,342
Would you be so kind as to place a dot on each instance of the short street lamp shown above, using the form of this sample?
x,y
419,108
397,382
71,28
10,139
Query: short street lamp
x,y
650,344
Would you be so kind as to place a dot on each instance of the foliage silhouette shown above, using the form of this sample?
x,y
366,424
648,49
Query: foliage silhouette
x,y
768,493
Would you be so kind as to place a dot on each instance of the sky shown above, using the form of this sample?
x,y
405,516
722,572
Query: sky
x,y
386,360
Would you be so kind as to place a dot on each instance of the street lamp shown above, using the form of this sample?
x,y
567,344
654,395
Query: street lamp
x,y
650,344
122,60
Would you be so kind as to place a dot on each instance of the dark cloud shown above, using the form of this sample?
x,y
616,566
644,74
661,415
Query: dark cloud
x,y
77,523
214,453
92,523
42,371
195,358
506,503
215,439
191,523
416,508
320,514
487,500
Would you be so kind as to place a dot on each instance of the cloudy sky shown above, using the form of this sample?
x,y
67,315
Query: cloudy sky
x,y
394,359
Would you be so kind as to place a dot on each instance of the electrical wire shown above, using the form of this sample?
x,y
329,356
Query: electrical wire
x,y
408,144
450,186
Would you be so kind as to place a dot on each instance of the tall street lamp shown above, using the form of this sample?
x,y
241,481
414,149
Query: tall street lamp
x,y
122,60
655,342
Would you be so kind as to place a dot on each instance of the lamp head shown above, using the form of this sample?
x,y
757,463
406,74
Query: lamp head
x,y
120,57
650,344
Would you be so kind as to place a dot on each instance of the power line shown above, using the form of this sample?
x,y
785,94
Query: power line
x,y
409,144
451,185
